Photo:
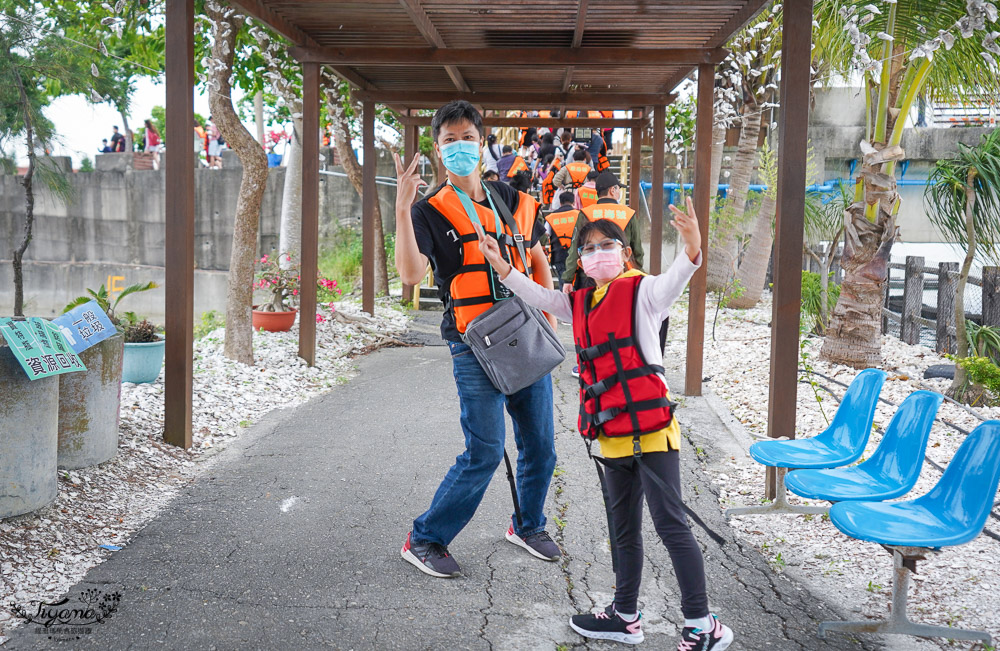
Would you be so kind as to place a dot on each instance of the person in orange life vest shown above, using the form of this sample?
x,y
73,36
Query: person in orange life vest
x,y
559,224
439,230
631,419
586,194
516,166
550,165
506,161
607,207
574,174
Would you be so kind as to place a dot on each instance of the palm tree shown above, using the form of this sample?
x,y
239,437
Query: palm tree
x,y
963,198
901,50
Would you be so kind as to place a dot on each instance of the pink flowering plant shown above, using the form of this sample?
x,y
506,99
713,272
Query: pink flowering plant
x,y
284,283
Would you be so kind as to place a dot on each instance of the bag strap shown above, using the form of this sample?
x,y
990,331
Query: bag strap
x,y
508,219
513,490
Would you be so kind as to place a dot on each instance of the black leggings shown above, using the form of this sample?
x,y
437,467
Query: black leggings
x,y
626,487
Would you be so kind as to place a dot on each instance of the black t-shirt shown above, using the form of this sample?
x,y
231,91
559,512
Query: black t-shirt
x,y
436,240
117,142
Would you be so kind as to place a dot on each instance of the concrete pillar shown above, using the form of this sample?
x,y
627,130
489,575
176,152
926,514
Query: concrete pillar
x,y
88,406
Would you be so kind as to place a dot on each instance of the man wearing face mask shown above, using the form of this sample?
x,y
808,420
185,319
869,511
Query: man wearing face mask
x,y
439,229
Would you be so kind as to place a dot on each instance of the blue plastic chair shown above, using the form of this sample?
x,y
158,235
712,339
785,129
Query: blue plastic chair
x,y
840,444
893,468
952,513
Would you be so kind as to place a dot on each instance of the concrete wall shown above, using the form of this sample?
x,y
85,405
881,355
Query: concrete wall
x,y
114,231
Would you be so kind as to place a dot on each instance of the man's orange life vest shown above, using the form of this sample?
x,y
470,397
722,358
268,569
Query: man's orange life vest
x,y
470,288
578,171
549,188
615,212
602,162
621,393
562,224
516,167
588,196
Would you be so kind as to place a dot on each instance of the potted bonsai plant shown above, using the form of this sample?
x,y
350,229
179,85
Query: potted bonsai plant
x,y
277,315
144,348
89,401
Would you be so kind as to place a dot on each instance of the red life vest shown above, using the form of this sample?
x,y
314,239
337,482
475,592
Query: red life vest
x,y
548,188
469,288
621,394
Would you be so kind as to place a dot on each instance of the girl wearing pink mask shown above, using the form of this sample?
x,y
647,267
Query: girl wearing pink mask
x,y
625,406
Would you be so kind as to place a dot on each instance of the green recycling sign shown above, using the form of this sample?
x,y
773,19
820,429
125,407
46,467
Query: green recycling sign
x,y
39,347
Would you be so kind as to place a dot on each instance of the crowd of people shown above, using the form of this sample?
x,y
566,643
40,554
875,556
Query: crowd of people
x,y
208,141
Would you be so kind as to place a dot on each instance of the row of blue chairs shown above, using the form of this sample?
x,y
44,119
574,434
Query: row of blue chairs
x,y
952,513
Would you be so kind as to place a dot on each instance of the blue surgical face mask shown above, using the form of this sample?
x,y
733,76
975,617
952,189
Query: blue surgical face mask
x,y
460,157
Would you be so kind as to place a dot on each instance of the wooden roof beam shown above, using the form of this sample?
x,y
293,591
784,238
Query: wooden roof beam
x,y
426,26
739,20
602,123
515,100
581,24
525,56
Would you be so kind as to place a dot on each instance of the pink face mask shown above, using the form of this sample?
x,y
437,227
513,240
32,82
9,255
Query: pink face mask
x,y
603,266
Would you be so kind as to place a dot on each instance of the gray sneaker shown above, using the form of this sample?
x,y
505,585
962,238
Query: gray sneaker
x,y
430,558
540,545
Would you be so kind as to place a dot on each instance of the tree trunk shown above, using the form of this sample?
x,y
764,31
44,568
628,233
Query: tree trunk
x,y
258,115
854,336
723,245
29,200
239,290
959,385
752,273
718,149
129,145
290,237
342,140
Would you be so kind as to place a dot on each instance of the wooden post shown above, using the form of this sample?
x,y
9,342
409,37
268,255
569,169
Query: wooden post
x,y
310,212
793,124
702,206
656,194
179,239
947,284
913,299
634,168
991,296
368,199
411,146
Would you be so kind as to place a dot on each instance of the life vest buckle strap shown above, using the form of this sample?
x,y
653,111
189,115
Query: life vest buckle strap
x,y
636,446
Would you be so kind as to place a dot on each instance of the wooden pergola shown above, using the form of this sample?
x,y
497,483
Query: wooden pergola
x,y
520,54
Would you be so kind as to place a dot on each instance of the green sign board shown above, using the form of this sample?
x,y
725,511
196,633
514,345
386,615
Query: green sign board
x,y
40,347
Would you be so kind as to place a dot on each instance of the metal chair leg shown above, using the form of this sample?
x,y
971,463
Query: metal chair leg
x,y
898,623
780,503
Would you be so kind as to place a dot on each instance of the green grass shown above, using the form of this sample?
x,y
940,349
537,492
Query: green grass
x,y
340,258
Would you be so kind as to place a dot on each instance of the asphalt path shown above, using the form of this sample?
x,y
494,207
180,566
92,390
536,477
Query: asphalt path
x,y
291,539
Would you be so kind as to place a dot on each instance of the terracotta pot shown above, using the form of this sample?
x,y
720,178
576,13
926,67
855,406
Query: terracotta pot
x,y
273,321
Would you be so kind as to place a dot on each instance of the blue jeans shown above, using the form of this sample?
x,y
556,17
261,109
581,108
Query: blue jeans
x,y
459,495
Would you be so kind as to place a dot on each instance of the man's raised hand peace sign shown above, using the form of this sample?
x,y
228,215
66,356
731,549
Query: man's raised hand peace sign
x,y
408,180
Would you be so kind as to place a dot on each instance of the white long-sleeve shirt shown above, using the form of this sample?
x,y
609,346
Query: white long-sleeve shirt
x,y
656,295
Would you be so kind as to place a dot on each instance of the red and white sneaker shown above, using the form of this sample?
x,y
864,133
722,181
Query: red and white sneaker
x,y
540,545
430,558
717,639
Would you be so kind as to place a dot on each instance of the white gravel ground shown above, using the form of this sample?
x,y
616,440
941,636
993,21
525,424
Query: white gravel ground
x,y
44,553
958,587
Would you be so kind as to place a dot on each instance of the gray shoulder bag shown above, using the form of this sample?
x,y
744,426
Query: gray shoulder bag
x,y
513,341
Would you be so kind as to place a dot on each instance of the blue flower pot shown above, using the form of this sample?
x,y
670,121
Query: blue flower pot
x,y
142,362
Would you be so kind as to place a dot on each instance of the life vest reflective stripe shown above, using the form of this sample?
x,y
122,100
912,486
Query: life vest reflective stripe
x,y
469,288
549,188
615,212
516,167
562,224
578,172
588,196
621,394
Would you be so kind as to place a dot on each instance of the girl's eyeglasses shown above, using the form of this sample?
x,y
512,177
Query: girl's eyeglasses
x,y
603,245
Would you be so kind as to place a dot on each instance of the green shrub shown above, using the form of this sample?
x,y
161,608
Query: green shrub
x,y
982,371
984,341
811,299
209,321
86,165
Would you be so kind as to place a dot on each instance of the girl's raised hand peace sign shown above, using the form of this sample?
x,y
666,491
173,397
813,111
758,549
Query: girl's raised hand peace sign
x,y
686,224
